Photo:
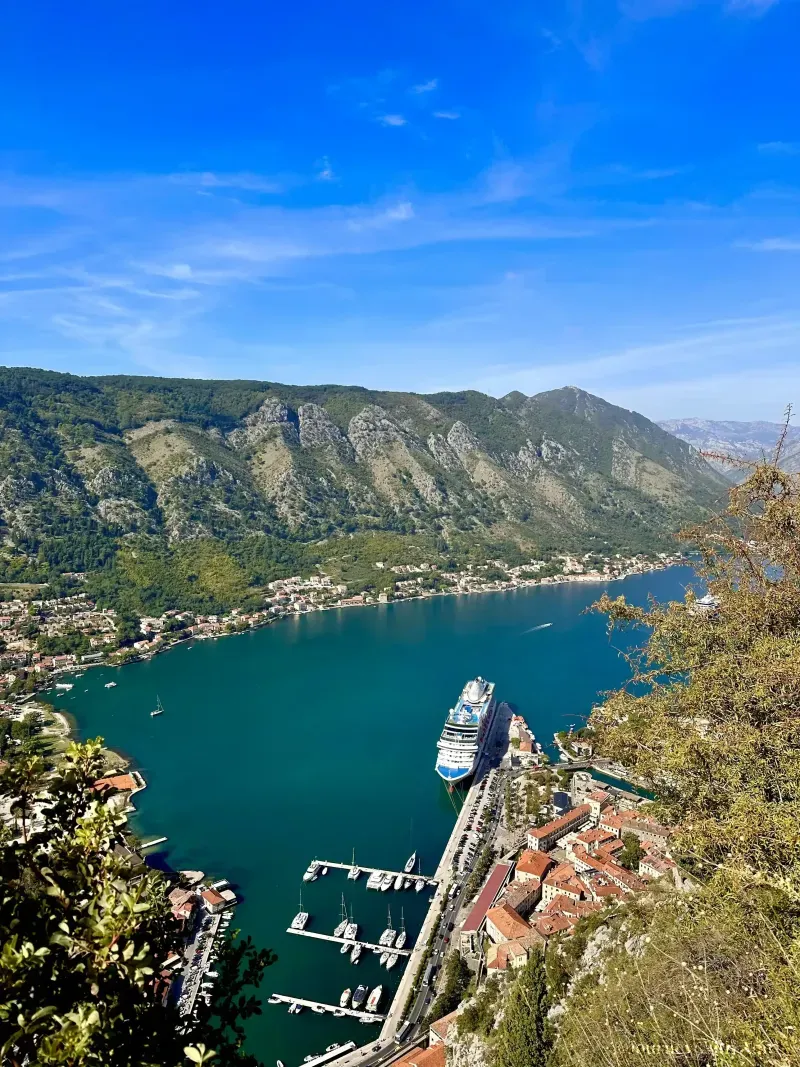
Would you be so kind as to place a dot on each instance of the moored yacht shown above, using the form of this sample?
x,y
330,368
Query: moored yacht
x,y
412,859
300,920
355,872
387,937
312,871
344,999
386,882
398,882
359,996
393,958
355,956
374,998
374,880
401,937
340,929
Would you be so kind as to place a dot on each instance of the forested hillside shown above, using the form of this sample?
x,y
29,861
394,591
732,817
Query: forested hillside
x,y
175,479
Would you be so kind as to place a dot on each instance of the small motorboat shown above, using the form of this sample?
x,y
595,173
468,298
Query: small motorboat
x,y
330,1048
344,999
279,1063
318,1009
110,685
407,883
384,958
356,954
273,999
398,882
386,883
295,1009
324,871
346,947
338,1013
420,885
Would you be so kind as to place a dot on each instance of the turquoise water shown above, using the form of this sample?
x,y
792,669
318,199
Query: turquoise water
x,y
316,736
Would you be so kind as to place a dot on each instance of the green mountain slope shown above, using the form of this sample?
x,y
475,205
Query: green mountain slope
x,y
90,465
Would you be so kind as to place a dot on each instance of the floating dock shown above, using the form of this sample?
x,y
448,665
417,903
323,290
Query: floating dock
x,y
378,870
335,1053
329,1007
155,841
349,941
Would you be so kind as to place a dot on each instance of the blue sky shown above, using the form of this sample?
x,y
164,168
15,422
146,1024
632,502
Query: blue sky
x,y
422,196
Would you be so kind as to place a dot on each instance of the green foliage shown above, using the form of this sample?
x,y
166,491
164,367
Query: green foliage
x,y
82,940
711,724
480,1014
630,855
481,869
71,641
522,1038
456,979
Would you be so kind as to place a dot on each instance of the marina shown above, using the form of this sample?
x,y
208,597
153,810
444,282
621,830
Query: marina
x,y
344,941
368,1016
363,783
381,871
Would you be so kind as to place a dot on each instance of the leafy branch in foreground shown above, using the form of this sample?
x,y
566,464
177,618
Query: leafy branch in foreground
x,y
710,974
83,941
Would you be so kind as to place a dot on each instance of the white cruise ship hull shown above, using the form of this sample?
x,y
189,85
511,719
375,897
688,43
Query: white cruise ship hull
x,y
465,732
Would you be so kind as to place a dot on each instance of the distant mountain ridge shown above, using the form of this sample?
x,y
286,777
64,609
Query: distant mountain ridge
x,y
180,460
740,440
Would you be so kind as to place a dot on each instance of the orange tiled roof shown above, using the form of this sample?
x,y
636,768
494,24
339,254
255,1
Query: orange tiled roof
x,y
562,822
535,863
509,922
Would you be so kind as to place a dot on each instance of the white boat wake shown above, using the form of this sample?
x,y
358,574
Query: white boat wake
x,y
542,626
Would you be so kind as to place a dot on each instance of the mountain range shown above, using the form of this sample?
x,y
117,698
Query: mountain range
x,y
747,441
88,465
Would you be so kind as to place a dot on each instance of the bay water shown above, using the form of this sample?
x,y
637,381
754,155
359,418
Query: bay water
x,y
317,736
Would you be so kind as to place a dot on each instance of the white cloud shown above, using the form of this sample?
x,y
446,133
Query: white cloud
x,y
446,115
772,244
245,180
392,120
400,212
325,173
751,7
780,148
425,87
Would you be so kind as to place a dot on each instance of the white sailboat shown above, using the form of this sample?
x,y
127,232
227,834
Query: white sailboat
x,y
159,708
387,937
420,880
355,872
340,929
351,930
393,958
412,859
300,920
401,937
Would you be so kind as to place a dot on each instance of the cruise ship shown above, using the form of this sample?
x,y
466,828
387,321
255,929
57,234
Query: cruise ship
x,y
465,732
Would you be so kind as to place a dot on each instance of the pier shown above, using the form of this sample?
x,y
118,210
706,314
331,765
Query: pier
x,y
155,841
369,1015
326,1057
349,941
379,870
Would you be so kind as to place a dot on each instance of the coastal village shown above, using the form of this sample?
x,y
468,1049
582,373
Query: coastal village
x,y
40,638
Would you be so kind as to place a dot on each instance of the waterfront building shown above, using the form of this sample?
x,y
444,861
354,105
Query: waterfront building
x,y
473,924
546,837
505,924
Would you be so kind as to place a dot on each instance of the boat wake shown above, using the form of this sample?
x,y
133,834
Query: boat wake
x,y
542,626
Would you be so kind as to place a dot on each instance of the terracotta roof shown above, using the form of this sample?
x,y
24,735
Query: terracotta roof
x,y
509,922
562,822
535,863
547,925
212,897
595,836
427,1057
441,1026
119,782
598,794
494,883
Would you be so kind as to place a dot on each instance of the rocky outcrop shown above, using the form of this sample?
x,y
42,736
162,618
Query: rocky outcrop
x,y
372,430
273,416
318,430
443,453
462,440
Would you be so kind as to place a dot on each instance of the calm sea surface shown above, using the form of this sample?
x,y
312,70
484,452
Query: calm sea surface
x,y
318,735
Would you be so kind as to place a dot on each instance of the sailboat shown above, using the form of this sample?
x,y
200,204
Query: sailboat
x,y
420,880
387,937
401,937
355,872
300,920
340,929
158,709
412,859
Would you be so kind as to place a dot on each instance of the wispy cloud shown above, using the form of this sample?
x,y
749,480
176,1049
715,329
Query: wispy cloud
x,y
425,87
446,115
750,7
325,170
780,148
255,183
392,120
772,244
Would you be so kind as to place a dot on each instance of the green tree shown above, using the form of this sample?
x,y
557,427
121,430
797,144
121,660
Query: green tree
x,y
523,1040
82,942
630,855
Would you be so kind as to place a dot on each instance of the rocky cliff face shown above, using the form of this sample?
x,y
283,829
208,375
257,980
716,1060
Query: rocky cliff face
x,y
228,459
